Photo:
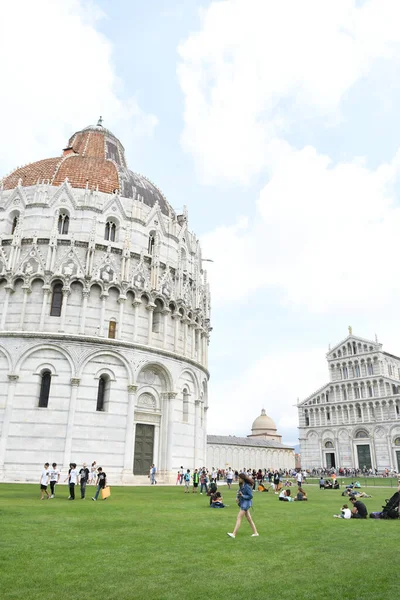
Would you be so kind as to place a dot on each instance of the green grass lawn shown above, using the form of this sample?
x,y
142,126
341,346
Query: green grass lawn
x,y
158,543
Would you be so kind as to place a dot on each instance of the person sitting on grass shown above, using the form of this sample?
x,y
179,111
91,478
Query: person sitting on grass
x,y
212,489
359,510
345,513
217,501
285,496
301,496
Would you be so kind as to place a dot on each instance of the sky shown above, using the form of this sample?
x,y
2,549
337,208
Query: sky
x,y
276,124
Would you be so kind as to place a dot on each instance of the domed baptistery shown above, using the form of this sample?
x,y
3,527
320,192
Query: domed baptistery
x,y
105,319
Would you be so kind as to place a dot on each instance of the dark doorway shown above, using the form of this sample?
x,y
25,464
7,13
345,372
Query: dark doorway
x,y
144,444
398,461
364,456
330,460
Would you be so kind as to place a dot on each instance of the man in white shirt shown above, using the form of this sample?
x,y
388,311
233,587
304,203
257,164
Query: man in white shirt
x,y
73,480
229,478
299,479
43,482
54,478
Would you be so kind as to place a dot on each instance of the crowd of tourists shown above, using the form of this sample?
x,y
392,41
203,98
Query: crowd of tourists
x,y
84,476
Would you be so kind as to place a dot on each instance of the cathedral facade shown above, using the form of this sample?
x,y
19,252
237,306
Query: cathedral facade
x,y
354,420
105,319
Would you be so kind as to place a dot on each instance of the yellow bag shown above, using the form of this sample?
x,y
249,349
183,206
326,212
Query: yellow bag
x,y
105,492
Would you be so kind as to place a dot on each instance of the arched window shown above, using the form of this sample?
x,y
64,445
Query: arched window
x,y
345,373
63,223
185,413
357,370
14,224
103,393
358,411
344,394
110,232
44,389
56,300
112,329
328,445
307,421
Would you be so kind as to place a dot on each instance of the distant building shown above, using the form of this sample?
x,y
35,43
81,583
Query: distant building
x,y
262,449
354,420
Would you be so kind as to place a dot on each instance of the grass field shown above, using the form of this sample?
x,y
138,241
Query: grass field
x,y
158,543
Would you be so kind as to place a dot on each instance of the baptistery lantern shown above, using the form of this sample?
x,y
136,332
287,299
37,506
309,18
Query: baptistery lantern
x,y
105,319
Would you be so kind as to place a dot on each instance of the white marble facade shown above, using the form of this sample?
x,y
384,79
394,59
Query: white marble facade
x,y
354,420
105,323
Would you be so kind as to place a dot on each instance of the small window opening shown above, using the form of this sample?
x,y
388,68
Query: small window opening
x,y
56,300
102,392
44,389
63,224
110,231
14,225
112,329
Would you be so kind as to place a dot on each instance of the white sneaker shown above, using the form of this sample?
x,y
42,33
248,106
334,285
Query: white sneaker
x,y
94,499
52,496
255,534
231,535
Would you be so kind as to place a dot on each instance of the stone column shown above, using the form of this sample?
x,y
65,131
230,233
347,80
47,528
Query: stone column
x,y
185,333
121,302
198,339
12,381
192,326
5,308
127,473
85,296
197,408
65,293
27,291
205,437
46,293
170,433
70,423
150,308
165,313
176,317
103,297
135,304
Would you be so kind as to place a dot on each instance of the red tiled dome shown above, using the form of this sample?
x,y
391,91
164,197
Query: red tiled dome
x,y
95,158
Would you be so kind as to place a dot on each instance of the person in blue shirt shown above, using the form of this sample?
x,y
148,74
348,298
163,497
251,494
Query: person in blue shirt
x,y
244,500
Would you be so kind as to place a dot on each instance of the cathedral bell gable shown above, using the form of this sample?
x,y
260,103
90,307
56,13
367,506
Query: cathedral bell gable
x,y
351,346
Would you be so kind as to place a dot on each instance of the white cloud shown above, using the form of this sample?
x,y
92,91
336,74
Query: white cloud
x,y
256,67
57,77
274,382
322,235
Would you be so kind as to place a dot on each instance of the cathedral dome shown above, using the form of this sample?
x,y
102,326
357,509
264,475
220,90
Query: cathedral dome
x,y
263,424
94,158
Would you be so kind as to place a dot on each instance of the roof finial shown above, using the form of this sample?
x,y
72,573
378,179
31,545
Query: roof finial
x,y
350,330
100,122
